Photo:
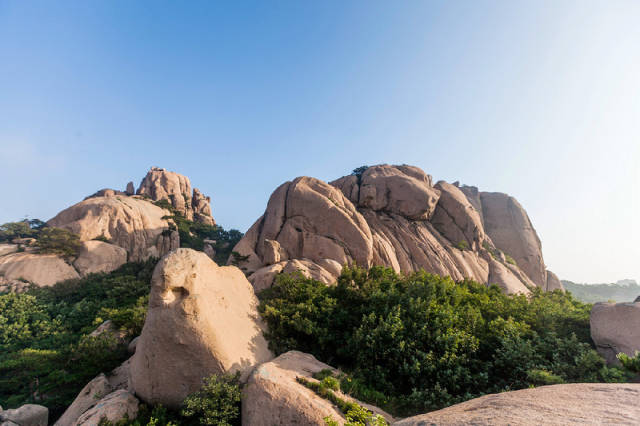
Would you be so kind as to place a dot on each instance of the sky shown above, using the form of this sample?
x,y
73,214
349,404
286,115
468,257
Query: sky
x,y
539,99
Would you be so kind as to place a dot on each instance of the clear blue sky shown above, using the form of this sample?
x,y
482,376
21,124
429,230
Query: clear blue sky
x,y
539,99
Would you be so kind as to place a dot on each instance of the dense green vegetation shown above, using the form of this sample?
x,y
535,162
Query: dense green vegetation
x,y
22,229
416,343
194,234
47,356
48,239
592,293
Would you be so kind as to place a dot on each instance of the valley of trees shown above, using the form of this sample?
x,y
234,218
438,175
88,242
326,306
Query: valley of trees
x,y
592,293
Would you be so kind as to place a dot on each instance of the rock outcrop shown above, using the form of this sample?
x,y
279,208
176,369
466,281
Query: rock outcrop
x,y
160,184
393,216
40,269
202,320
273,396
26,415
98,256
570,404
93,391
615,328
132,223
112,407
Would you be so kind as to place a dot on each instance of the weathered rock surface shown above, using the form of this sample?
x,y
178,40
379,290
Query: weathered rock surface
x,y
160,184
128,222
273,396
93,391
8,249
98,256
391,216
27,415
40,269
202,320
553,282
113,407
615,328
570,404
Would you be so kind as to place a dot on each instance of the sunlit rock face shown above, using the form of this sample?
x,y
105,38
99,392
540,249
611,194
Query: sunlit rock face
x,y
393,216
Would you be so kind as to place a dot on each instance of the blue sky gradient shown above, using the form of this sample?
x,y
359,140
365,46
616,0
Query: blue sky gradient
x,y
539,99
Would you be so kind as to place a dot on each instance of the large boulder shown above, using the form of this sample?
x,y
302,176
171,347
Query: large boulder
x,y
307,219
553,282
570,404
132,223
273,395
615,328
113,407
456,219
26,415
160,184
40,269
98,256
202,320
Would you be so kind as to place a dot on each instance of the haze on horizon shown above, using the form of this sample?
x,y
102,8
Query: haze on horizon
x,y
538,99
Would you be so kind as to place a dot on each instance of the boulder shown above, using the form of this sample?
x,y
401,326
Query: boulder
x,y
130,189
510,229
456,219
307,219
128,222
570,404
202,320
273,396
40,269
98,256
160,184
113,407
553,282
615,328
26,415
93,391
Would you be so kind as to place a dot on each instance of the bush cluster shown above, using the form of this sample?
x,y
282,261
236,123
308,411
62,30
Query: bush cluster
x,y
47,356
192,234
420,342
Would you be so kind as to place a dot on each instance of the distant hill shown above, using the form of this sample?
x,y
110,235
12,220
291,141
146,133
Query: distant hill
x,y
621,291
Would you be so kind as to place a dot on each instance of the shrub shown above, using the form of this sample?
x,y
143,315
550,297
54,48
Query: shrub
x,y
463,245
631,364
58,241
216,403
509,259
421,342
46,356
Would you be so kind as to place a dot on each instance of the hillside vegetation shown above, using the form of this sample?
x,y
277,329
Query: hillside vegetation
x,y
592,293
420,342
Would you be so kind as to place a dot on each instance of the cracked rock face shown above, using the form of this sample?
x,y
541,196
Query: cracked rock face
x,y
160,184
393,216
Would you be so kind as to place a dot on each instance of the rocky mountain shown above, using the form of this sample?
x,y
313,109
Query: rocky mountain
x,y
621,291
394,216
114,227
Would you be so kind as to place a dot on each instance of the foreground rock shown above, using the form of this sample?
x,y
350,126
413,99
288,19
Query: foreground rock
x,y
394,216
27,415
273,396
40,269
132,223
94,394
570,404
160,184
112,407
615,328
202,320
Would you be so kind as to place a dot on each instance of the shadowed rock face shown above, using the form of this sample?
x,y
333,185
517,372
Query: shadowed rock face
x,y
570,404
202,320
160,184
393,216
615,328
